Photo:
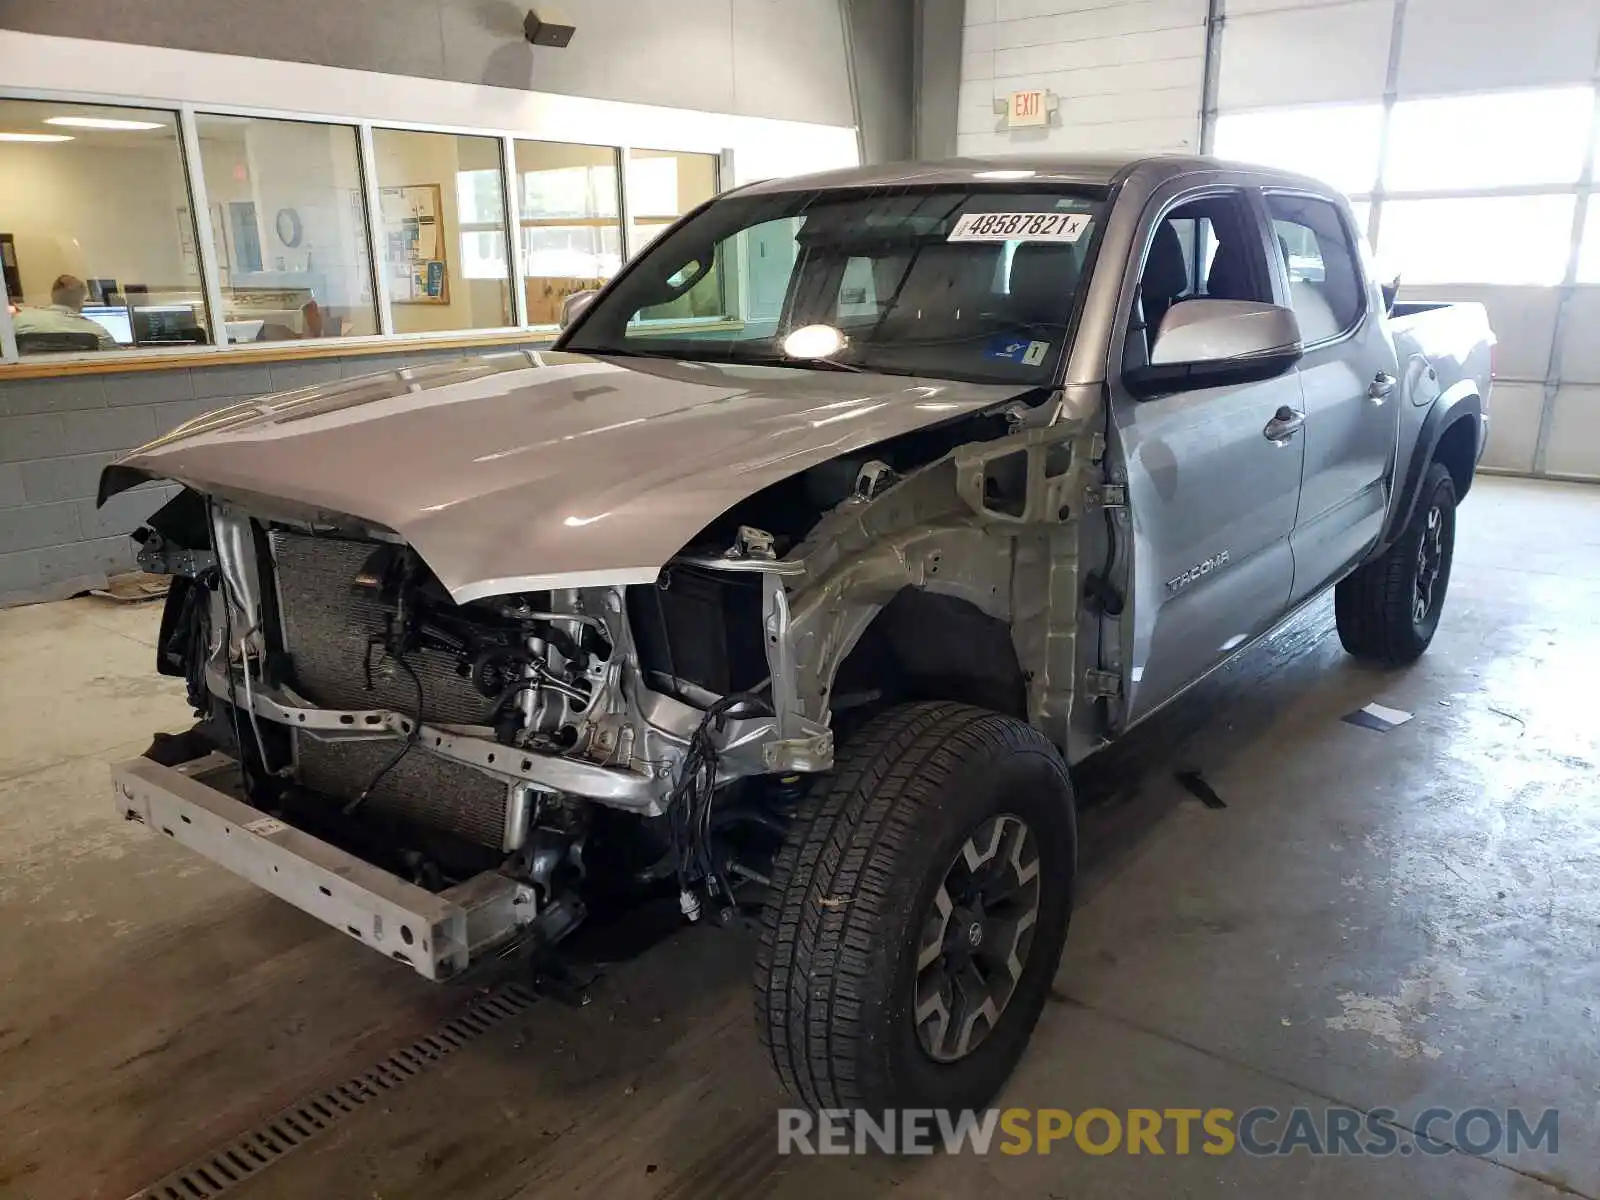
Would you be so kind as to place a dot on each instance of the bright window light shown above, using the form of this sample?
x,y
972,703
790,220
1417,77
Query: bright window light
x,y
1489,140
1589,253
1360,211
1337,144
1491,239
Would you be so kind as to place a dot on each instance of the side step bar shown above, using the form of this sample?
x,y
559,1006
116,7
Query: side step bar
x,y
435,935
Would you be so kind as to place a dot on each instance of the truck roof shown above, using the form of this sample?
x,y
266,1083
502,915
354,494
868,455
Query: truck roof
x,y
1095,170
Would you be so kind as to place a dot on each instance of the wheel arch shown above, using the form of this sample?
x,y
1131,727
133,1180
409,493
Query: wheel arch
x,y
1451,433
927,644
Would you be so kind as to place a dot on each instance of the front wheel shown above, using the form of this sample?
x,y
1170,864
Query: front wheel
x,y
917,912
1387,611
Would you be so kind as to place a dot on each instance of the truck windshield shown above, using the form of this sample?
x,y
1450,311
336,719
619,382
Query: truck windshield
x,y
969,283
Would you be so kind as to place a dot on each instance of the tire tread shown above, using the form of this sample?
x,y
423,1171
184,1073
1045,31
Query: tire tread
x,y
1372,605
832,883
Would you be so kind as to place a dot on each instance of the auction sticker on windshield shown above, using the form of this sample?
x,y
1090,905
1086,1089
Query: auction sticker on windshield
x,y
1020,227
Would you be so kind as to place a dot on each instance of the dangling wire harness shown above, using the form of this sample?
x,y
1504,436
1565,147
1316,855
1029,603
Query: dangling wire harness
x,y
689,808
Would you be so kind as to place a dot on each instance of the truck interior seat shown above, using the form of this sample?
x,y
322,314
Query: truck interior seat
x,y
1044,277
1229,277
1166,276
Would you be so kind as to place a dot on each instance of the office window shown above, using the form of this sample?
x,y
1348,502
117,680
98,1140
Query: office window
x,y
1486,239
442,230
95,234
290,228
662,186
1488,140
571,230
1337,144
1324,283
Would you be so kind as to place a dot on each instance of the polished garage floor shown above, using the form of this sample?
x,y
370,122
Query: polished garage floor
x,y
1374,919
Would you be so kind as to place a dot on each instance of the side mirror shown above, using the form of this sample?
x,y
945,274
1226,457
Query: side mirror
x,y
574,304
1215,343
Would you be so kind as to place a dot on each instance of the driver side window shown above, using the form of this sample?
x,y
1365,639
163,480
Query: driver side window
x,y
1206,248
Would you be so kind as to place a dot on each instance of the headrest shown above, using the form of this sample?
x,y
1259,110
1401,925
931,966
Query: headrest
x,y
1044,276
1229,277
1165,273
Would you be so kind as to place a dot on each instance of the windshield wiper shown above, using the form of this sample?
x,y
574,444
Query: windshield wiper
x,y
803,364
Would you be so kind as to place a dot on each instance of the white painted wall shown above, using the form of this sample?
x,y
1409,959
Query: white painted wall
x,y
1129,73
54,200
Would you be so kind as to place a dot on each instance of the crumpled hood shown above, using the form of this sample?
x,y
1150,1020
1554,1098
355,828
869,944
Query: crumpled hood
x,y
524,471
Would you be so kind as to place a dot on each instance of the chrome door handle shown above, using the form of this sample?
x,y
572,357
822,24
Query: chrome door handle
x,y
1382,384
1284,425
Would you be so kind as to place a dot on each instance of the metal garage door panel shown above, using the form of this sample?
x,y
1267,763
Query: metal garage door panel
x,y
1580,340
1513,426
1496,43
1238,8
1265,60
1574,444
1523,318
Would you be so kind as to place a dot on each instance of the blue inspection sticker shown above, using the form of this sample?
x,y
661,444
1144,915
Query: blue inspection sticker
x,y
1016,349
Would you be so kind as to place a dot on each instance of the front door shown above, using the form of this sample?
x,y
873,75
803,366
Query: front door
x,y
1213,474
1348,381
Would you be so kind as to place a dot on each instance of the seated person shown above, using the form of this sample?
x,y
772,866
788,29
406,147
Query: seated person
x,y
64,314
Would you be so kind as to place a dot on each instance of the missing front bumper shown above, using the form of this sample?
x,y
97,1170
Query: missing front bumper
x,y
437,935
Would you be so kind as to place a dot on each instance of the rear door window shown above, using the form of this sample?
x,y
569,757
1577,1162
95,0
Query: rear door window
x,y
1320,260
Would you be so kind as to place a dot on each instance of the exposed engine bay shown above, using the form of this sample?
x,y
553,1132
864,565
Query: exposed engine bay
x,y
536,752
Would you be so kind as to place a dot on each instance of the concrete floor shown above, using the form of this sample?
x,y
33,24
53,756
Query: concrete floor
x,y
1396,920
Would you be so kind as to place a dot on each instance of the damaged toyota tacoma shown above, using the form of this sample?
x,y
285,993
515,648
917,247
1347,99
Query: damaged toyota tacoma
x,y
792,581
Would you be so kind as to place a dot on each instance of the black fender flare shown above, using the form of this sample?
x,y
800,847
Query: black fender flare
x,y
1460,403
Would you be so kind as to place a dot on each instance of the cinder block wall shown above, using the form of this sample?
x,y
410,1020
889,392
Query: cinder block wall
x,y
57,433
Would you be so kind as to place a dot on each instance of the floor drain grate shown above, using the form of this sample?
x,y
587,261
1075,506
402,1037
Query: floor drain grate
x,y
220,1170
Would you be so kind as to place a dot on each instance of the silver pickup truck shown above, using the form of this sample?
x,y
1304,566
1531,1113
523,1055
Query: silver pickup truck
x,y
788,587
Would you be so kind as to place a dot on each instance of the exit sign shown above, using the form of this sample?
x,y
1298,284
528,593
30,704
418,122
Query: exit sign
x,y
1028,108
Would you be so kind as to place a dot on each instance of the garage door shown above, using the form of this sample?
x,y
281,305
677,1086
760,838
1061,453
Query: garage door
x,y
1465,132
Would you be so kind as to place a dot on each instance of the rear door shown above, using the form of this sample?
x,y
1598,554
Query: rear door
x,y
1211,497
1347,378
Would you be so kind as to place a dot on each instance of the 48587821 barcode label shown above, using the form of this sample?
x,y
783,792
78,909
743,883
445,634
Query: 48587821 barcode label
x,y
1021,227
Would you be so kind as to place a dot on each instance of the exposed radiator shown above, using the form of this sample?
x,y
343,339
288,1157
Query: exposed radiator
x,y
421,788
327,627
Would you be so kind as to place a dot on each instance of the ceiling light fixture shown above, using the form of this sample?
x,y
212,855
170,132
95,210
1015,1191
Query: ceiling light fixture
x,y
35,137
101,123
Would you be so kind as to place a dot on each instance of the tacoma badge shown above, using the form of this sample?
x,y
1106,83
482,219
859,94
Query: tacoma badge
x,y
1178,582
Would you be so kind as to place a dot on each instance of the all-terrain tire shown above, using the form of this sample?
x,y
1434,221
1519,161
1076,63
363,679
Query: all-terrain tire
x,y
865,863
1381,611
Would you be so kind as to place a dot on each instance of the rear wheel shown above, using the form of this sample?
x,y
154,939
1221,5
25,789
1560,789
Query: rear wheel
x,y
917,912
1387,611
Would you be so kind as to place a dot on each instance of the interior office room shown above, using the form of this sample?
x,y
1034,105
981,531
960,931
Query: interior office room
x,y
1332,915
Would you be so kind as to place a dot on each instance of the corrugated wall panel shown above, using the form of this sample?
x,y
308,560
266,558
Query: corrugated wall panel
x,y
1476,45
1573,447
1306,56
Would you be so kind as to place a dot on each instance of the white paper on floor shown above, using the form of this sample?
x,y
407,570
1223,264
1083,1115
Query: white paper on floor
x,y
1377,716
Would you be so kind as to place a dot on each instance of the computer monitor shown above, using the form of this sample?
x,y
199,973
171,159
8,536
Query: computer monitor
x,y
114,321
158,324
